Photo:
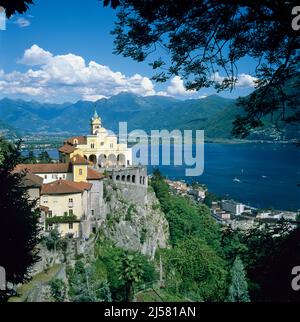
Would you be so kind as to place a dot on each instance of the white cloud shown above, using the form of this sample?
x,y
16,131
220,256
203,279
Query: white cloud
x,y
68,77
22,22
65,77
243,80
176,87
35,56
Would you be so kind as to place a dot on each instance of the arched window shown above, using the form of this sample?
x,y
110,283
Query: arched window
x,y
123,177
128,178
133,178
118,178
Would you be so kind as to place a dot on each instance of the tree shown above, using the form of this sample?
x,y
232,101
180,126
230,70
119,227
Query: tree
x,y
18,219
205,41
195,270
51,240
130,271
58,290
85,286
30,158
44,157
238,289
15,6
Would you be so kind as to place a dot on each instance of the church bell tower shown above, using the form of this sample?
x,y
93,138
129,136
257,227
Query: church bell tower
x,y
95,123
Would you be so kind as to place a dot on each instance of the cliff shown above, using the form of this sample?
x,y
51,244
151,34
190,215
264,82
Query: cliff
x,y
131,217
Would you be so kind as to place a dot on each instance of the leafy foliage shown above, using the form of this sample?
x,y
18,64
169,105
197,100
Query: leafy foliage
x,y
185,218
238,289
269,253
207,38
18,218
85,285
44,157
124,270
15,6
58,290
194,270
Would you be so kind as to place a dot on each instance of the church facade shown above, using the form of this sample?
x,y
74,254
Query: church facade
x,y
100,148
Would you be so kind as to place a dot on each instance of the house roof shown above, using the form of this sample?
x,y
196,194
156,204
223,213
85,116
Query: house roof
x,y
44,208
80,139
78,159
94,175
64,187
44,168
67,148
32,181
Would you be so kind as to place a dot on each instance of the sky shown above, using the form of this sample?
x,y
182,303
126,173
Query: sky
x,y
62,51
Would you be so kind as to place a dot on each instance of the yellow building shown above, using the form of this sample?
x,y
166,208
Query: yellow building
x,y
69,194
67,203
100,148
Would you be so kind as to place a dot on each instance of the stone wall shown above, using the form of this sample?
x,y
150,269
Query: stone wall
x,y
130,176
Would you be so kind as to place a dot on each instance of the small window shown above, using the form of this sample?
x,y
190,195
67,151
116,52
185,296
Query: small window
x,y
54,176
50,213
80,172
70,225
92,146
45,199
64,176
111,145
45,176
93,212
70,212
70,203
102,143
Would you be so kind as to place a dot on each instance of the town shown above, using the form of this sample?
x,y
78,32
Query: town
x,y
230,212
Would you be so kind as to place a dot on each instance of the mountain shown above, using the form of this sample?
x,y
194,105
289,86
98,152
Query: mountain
x,y
7,131
214,114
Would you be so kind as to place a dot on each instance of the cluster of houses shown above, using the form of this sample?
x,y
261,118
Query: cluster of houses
x,y
183,189
70,193
230,212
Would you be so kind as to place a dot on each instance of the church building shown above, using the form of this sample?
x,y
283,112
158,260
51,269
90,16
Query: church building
x,y
100,148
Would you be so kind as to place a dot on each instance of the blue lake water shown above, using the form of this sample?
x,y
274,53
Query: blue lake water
x,y
268,173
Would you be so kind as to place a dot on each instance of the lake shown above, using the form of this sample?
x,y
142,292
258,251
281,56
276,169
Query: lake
x,y
268,174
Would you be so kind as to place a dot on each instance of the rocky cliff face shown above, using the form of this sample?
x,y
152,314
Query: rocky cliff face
x,y
131,216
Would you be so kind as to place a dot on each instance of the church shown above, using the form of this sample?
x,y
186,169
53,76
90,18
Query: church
x,y
100,148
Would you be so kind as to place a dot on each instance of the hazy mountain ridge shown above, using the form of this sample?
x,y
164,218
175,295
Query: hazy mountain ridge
x,y
214,114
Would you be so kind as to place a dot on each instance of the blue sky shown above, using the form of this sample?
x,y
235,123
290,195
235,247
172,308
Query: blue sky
x,y
61,50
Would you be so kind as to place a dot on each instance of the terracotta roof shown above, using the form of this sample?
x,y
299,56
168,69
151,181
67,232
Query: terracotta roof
x,y
78,159
94,175
43,168
80,139
32,181
64,187
67,148
44,208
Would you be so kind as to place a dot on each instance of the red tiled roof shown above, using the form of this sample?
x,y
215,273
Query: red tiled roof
x,y
64,187
94,175
80,139
78,159
44,208
67,148
44,168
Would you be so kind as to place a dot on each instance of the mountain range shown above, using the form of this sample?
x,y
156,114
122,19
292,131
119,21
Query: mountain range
x,y
214,114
